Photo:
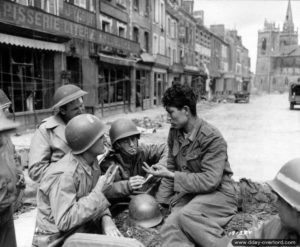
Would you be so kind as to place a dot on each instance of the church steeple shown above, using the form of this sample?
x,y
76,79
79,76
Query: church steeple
x,y
288,25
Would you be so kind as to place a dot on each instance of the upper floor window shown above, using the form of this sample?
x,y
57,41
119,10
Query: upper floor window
x,y
23,2
122,3
121,29
146,41
147,7
50,6
135,34
162,46
136,5
169,26
264,44
106,23
155,44
162,14
105,26
122,32
81,3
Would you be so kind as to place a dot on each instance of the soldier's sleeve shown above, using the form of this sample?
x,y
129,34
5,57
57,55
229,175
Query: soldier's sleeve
x,y
69,211
166,187
119,189
212,159
39,155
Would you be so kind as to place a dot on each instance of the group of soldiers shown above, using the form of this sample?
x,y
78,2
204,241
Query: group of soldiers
x,y
82,175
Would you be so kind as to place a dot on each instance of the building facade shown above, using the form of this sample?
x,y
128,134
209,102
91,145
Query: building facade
x,y
125,53
278,55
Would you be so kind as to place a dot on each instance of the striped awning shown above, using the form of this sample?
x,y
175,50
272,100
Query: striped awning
x,y
31,43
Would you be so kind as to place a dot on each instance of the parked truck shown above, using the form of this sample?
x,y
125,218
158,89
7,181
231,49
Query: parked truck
x,y
294,94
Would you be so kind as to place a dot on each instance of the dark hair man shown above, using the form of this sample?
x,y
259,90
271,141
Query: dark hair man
x,y
197,182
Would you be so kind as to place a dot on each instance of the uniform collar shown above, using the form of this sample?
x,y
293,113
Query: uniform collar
x,y
54,121
89,169
58,126
194,132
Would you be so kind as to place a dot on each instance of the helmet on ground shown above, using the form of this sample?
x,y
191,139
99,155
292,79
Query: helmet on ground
x,y
65,94
6,124
287,183
83,131
122,128
4,101
144,211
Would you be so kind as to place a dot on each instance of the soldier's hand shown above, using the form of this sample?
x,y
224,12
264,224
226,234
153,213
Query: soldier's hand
x,y
109,227
106,180
136,182
158,170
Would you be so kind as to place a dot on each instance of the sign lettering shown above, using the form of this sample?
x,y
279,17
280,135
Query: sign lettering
x,y
26,17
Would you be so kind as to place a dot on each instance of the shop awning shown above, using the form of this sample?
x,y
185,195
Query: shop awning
x,y
31,43
191,69
147,58
117,60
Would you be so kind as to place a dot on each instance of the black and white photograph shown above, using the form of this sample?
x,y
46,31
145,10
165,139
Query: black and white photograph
x,y
149,123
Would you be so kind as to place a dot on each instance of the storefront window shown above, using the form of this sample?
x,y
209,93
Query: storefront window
x,y
27,77
114,85
142,86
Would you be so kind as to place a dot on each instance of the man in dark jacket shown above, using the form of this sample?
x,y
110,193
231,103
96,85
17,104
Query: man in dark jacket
x,y
129,155
197,182
9,183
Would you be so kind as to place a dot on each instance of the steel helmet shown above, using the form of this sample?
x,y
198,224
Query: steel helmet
x,y
4,101
83,131
144,211
65,94
122,128
6,124
287,183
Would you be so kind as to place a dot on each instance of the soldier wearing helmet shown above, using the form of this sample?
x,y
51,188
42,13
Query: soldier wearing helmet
x,y
70,195
129,155
285,225
9,182
48,144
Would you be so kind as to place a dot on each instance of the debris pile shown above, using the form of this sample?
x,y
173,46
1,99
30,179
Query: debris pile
x,y
256,203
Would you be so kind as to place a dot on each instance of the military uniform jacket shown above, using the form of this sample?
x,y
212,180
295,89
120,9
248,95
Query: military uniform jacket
x,y
151,154
8,175
67,199
200,164
48,145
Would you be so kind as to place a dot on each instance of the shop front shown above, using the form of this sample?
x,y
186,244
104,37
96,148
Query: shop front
x,y
115,82
28,75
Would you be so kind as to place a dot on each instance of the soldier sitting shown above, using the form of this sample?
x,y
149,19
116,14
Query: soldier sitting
x,y
70,197
286,225
129,155
48,144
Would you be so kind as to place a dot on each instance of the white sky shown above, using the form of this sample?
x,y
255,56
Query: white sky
x,y
247,17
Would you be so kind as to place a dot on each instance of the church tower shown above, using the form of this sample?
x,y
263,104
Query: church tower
x,y
267,46
288,36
